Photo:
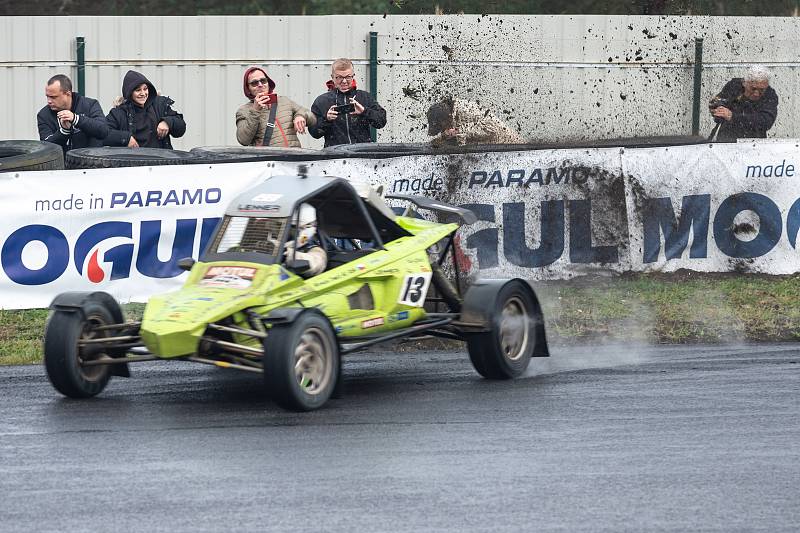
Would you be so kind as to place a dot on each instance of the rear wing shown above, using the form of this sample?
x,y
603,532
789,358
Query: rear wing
x,y
466,216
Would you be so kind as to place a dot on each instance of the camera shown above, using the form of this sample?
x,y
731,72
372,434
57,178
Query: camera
x,y
345,108
718,102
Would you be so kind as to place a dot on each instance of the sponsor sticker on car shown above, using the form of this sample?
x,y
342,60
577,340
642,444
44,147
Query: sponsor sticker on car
x,y
397,317
267,197
372,322
233,277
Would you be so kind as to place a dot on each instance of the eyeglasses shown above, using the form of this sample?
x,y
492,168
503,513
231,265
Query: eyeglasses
x,y
256,83
343,78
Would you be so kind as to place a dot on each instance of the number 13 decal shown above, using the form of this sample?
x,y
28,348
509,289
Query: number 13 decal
x,y
414,289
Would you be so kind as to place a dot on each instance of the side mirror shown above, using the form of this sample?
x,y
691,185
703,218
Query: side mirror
x,y
298,266
186,263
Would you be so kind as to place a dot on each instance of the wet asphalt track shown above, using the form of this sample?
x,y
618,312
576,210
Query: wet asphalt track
x,y
595,439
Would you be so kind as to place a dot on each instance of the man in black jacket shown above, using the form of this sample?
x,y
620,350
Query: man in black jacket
x,y
344,113
144,117
745,108
69,119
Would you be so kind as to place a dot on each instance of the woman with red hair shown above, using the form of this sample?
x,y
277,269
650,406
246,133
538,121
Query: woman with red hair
x,y
268,119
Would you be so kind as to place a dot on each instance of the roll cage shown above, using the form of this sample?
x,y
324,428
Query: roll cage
x,y
342,216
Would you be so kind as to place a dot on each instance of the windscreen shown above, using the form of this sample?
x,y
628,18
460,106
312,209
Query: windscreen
x,y
249,234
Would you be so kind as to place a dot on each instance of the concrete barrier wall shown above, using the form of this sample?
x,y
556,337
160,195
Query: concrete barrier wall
x,y
551,77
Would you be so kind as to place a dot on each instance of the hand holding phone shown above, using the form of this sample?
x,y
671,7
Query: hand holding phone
x,y
265,99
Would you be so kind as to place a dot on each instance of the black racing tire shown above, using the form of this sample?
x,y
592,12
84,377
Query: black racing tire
x,y
505,351
243,154
302,365
63,355
386,150
119,157
381,150
30,155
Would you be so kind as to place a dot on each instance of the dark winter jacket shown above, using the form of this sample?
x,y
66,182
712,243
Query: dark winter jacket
x,y
89,128
122,120
751,119
347,128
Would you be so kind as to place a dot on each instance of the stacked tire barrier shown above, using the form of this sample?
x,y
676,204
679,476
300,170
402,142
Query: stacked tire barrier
x,y
244,154
108,157
385,150
26,155
30,155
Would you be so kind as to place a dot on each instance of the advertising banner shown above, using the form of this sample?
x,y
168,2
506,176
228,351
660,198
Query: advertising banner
x,y
714,208
544,214
120,231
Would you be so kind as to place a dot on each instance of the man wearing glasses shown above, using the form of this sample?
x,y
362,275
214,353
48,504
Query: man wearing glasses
x,y
745,108
345,113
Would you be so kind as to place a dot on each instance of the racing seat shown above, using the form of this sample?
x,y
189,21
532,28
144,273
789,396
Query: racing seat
x,y
341,251
338,258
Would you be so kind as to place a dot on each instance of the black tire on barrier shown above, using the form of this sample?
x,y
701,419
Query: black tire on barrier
x,y
243,154
381,150
504,351
386,150
30,155
63,354
118,157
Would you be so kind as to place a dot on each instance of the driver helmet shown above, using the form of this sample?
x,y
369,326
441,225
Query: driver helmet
x,y
307,224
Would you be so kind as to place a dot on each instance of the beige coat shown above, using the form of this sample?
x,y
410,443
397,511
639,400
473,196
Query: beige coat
x,y
251,124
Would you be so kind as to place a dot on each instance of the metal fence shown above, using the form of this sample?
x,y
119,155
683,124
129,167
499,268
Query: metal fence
x,y
552,77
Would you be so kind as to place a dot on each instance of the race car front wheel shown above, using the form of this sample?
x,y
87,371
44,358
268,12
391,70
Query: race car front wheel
x,y
301,362
505,350
65,349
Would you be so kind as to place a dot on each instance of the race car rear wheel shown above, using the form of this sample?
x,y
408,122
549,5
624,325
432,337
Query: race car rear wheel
x,y
505,351
64,353
301,362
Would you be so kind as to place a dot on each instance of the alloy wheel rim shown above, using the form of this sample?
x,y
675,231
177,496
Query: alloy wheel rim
x,y
313,365
88,352
514,329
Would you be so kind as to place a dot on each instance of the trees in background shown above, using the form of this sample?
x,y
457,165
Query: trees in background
x,y
400,7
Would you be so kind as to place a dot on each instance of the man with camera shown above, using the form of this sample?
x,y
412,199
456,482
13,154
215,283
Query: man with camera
x,y
745,108
345,113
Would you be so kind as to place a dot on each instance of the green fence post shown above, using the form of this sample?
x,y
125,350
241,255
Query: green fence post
x,y
698,71
80,45
373,74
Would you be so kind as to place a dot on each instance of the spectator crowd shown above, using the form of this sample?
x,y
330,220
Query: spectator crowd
x,y
141,117
746,107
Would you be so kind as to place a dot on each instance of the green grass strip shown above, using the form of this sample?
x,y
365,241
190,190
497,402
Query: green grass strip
x,y
684,307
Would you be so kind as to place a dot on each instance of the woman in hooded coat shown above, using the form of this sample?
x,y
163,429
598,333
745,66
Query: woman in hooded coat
x,y
143,118
252,118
